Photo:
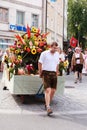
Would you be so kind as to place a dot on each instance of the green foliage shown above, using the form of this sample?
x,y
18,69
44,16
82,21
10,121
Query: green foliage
x,y
77,20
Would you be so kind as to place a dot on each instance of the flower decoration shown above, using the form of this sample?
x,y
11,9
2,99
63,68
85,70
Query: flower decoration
x,y
30,68
33,51
62,67
34,29
66,63
25,52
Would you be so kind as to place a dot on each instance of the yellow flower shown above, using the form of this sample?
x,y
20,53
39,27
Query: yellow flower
x,y
17,51
35,38
36,43
25,37
66,63
33,51
6,57
19,57
34,29
39,39
25,47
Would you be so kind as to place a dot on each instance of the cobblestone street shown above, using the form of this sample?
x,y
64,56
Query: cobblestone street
x,y
73,101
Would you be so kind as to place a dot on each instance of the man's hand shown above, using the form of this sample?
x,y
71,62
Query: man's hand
x,y
57,73
40,69
40,74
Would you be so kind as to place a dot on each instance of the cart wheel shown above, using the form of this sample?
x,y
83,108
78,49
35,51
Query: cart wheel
x,y
5,88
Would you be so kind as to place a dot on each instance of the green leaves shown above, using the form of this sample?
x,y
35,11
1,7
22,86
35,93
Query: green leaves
x,y
77,20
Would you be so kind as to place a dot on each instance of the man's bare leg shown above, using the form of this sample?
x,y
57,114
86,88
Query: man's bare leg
x,y
47,100
47,96
52,94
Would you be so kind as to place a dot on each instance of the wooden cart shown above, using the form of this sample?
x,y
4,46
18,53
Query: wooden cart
x,y
29,85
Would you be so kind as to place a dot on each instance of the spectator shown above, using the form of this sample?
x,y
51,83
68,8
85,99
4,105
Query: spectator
x,y
61,54
77,64
69,56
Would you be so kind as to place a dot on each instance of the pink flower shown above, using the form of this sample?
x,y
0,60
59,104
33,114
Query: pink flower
x,y
30,43
29,67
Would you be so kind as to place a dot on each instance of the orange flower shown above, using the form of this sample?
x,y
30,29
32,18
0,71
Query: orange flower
x,y
41,44
39,50
28,50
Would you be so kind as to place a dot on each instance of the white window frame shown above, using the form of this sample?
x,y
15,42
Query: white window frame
x,y
35,21
4,15
18,22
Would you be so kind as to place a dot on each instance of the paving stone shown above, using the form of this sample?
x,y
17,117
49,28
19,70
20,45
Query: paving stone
x,y
74,99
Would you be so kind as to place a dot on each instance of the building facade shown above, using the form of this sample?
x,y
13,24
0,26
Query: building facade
x,y
44,14
65,19
55,21
15,15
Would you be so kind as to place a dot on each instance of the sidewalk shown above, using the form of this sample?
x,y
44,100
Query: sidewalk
x,y
73,101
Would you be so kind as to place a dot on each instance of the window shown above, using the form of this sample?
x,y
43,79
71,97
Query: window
x,y
3,15
20,18
4,43
35,19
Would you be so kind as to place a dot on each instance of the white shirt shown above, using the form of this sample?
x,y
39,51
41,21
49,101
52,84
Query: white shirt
x,y
78,58
62,56
49,61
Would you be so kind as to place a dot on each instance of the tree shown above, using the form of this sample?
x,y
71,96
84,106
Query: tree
x,y
77,21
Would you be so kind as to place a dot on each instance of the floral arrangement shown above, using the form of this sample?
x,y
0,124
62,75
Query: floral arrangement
x,y
24,54
63,66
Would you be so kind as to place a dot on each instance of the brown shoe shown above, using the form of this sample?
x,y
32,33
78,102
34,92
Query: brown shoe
x,y
49,111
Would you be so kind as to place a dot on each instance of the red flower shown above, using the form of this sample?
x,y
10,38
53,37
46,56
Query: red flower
x,y
29,67
39,50
28,49
20,38
28,31
41,44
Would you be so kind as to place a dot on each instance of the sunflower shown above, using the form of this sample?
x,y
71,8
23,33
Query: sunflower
x,y
39,39
25,48
34,29
33,51
43,39
19,57
17,51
